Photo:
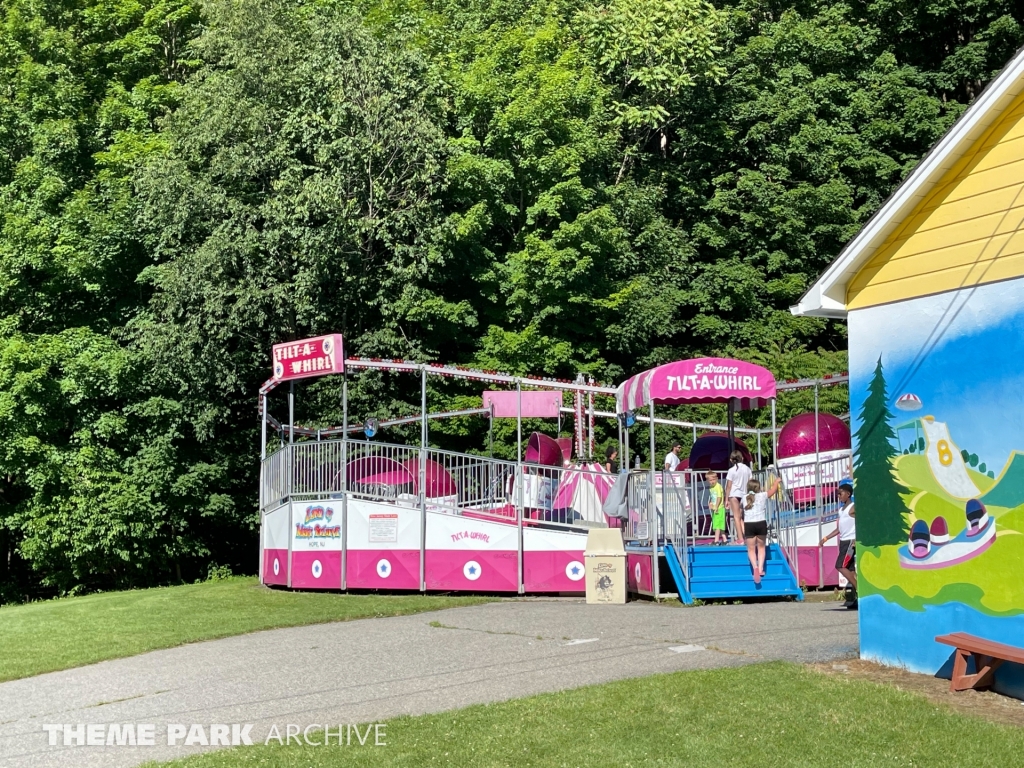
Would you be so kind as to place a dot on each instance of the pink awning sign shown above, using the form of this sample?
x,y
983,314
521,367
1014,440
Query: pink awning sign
x,y
308,357
537,405
702,380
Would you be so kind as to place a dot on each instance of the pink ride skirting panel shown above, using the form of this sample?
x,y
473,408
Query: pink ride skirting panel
x,y
316,570
807,559
554,571
472,570
275,566
638,573
383,568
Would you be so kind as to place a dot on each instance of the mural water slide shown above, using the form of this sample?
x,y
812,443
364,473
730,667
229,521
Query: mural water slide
x,y
946,462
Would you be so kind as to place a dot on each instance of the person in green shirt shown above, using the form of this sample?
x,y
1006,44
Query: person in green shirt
x,y
717,507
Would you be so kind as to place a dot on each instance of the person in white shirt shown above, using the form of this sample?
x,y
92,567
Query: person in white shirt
x,y
847,533
735,489
755,524
672,460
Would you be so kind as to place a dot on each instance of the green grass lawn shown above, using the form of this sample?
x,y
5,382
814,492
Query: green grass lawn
x,y
58,634
759,716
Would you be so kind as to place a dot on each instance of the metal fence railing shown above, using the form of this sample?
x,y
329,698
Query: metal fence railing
x,y
807,507
662,508
681,514
667,508
274,479
440,481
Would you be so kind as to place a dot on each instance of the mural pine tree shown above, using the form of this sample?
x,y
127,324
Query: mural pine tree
x,y
880,518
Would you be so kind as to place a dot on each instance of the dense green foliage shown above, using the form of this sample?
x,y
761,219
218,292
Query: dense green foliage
x,y
546,187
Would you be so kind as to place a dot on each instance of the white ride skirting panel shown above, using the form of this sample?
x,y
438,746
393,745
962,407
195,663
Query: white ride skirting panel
x,y
275,546
383,545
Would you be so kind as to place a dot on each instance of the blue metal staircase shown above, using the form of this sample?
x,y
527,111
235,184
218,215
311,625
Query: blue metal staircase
x,y
724,572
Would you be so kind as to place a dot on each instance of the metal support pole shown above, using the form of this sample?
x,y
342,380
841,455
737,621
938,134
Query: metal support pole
x,y
344,477
817,491
519,474
794,553
590,424
731,423
263,472
759,450
423,478
652,513
490,432
775,437
519,423
263,427
291,414
622,461
291,475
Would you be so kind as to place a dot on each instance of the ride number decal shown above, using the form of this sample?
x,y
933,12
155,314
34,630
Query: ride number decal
x,y
945,455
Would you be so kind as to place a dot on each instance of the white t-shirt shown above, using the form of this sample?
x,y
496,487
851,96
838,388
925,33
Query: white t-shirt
x,y
672,461
847,524
758,512
739,476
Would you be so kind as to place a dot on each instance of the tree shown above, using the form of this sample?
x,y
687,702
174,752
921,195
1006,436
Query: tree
x,y
546,187
96,487
880,510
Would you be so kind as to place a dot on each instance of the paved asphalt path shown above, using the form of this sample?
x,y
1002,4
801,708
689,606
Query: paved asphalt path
x,y
370,670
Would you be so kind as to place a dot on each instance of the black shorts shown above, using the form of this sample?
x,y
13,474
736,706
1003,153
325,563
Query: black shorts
x,y
846,547
759,528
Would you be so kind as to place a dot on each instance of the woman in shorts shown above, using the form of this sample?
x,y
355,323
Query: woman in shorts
x,y
735,489
846,530
755,524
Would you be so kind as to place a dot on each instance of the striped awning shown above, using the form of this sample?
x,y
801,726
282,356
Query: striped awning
x,y
701,380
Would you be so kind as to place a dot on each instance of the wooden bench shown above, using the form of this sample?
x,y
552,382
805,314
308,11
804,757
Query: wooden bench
x,y
988,656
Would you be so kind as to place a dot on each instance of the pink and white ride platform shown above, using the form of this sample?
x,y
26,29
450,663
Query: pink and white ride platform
x,y
343,510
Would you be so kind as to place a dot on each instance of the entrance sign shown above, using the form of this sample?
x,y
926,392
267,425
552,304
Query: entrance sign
x,y
702,380
309,357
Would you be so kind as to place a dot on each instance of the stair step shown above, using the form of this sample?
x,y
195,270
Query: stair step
x,y
769,567
739,557
715,567
752,591
724,572
695,579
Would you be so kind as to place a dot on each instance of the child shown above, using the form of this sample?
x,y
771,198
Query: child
x,y
717,507
755,524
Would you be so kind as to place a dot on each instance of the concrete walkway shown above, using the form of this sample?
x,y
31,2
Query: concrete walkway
x,y
370,670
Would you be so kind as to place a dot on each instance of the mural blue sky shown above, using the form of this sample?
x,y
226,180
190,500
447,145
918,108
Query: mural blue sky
x,y
962,353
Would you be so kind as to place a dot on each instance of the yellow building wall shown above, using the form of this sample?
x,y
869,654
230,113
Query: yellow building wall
x,y
968,231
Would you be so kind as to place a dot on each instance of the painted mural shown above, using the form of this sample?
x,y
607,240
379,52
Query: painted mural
x,y
937,397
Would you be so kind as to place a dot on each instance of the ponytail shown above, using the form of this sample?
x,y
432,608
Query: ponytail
x,y
753,488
